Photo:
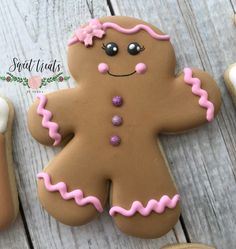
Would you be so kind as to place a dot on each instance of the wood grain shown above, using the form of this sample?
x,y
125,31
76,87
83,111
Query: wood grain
x,y
203,161
14,236
40,29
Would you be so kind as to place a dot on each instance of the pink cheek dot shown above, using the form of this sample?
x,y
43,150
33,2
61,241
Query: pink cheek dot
x,y
140,68
103,67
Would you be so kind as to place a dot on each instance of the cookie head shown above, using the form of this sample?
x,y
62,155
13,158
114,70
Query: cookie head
x,y
120,48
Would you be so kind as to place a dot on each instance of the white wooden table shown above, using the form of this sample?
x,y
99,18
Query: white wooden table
x,y
203,162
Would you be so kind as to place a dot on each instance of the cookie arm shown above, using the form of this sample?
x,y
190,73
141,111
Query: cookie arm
x,y
193,99
50,118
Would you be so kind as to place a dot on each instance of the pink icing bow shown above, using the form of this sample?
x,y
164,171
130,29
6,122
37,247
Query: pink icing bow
x,y
86,34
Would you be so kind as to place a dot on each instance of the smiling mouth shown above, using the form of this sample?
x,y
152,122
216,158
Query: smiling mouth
x,y
121,75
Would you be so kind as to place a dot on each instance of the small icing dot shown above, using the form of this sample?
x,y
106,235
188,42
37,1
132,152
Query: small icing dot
x,y
117,101
131,46
140,68
115,140
103,68
117,120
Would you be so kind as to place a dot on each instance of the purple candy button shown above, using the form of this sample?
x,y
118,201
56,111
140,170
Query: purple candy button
x,y
117,120
117,101
115,140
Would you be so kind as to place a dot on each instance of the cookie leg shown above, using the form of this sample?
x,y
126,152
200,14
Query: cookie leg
x,y
144,201
69,191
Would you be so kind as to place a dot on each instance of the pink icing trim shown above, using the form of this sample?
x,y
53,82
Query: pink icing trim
x,y
77,194
197,90
97,29
135,29
47,116
153,205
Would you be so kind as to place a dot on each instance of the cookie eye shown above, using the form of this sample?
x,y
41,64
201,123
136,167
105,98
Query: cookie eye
x,y
110,48
134,48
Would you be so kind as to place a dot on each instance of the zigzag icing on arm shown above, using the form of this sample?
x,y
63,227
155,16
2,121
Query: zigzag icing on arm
x,y
46,121
152,206
77,194
197,90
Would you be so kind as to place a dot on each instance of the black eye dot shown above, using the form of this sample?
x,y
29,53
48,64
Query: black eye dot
x,y
111,48
134,48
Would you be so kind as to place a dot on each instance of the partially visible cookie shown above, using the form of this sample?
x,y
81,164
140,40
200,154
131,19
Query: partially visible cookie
x,y
230,80
8,193
188,246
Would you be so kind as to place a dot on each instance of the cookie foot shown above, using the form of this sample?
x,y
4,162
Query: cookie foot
x,y
69,207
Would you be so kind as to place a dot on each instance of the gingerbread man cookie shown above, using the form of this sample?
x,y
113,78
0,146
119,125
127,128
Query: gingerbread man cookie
x,y
230,80
127,94
188,246
8,192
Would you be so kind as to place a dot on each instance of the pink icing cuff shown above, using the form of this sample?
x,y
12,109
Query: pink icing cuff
x,y
153,205
46,121
97,29
197,90
77,194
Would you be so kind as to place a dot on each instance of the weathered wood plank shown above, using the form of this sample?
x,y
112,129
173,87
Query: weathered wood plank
x,y
233,2
14,236
40,30
202,161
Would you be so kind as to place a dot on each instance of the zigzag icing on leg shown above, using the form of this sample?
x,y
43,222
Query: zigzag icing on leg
x,y
77,194
152,206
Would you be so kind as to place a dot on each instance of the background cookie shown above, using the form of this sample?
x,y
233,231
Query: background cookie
x,y
8,193
230,80
128,93
188,246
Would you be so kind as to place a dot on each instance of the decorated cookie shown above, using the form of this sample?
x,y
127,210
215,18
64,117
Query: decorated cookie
x,y
230,80
8,193
127,94
188,246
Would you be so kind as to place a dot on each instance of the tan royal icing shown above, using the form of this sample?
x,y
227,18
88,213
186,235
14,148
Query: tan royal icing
x,y
7,213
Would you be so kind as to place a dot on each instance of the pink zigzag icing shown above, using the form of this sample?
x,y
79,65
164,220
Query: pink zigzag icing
x,y
47,116
135,29
153,205
197,90
77,194
97,29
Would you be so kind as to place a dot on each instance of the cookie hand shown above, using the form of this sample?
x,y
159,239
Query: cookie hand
x,y
193,99
48,117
